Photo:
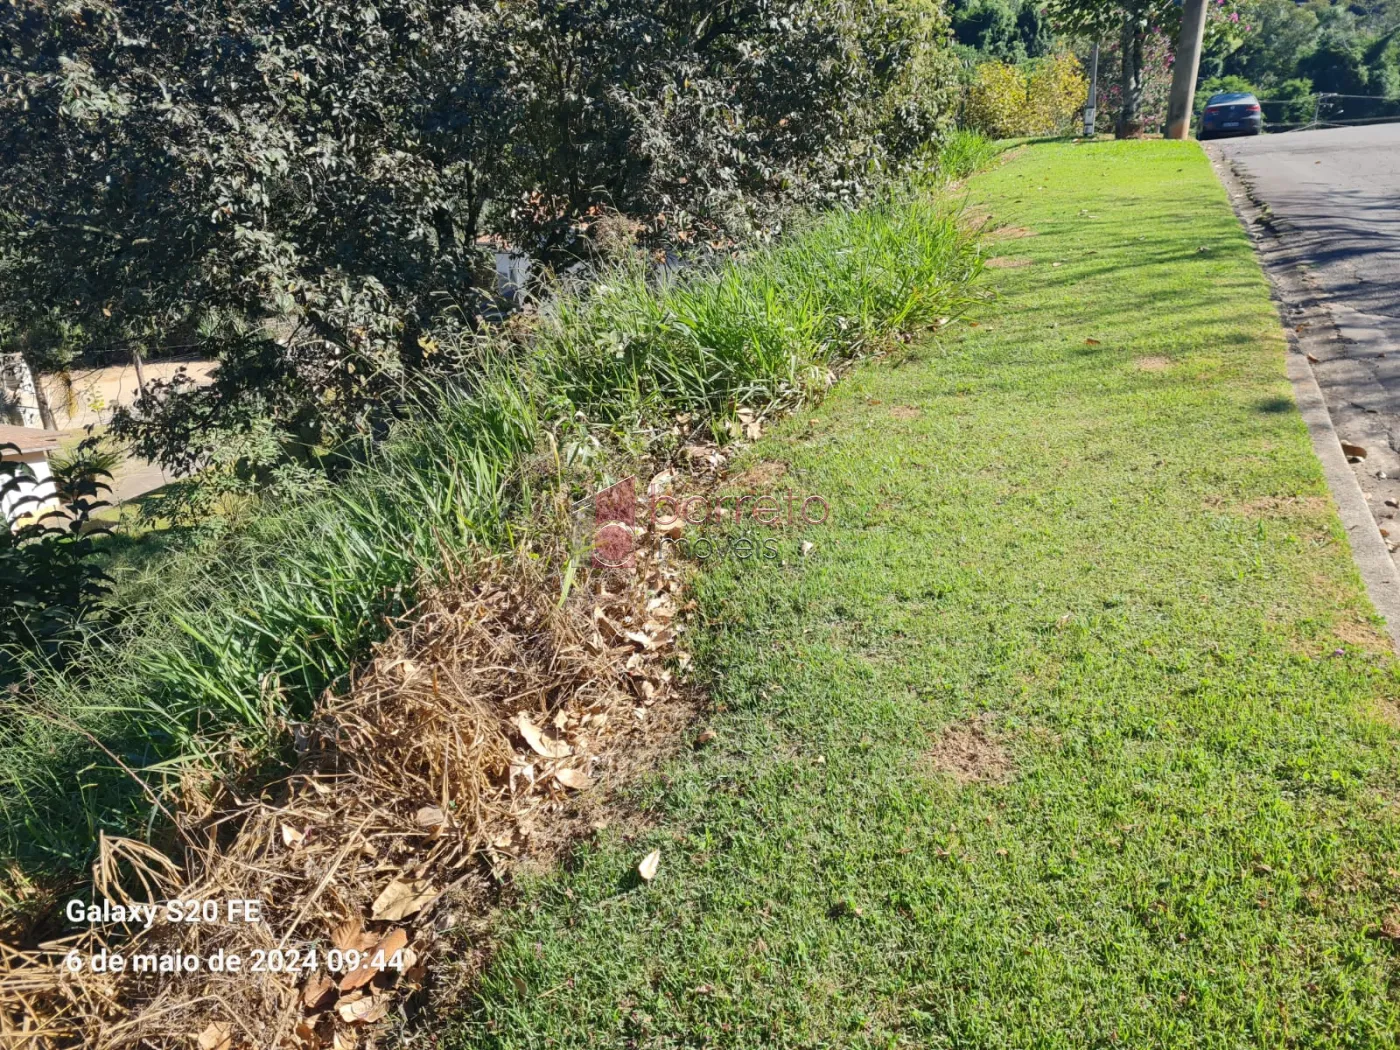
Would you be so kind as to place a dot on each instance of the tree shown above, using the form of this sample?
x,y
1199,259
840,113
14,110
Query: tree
x,y
1334,67
298,188
1130,21
1033,29
991,28
1134,23
1282,32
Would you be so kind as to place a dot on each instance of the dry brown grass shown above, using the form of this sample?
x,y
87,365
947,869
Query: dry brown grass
x,y
1006,262
1288,506
758,477
1153,363
1009,233
970,754
460,749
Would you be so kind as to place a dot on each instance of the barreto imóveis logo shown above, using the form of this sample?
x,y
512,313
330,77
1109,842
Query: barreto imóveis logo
x,y
614,525
669,514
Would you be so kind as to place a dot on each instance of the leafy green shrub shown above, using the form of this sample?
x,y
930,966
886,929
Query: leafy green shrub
x,y
299,189
1291,102
1035,98
78,471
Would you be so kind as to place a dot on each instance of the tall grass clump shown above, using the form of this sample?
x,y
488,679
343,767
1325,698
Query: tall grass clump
x,y
756,329
963,153
213,664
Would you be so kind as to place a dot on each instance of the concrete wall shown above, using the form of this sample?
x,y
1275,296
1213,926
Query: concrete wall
x,y
41,485
18,404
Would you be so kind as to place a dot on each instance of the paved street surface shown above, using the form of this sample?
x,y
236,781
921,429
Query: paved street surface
x,y
1333,204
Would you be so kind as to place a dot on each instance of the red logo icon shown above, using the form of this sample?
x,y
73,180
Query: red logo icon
x,y
614,515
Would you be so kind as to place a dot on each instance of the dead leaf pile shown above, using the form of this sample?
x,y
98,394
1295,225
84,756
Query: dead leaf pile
x,y
456,751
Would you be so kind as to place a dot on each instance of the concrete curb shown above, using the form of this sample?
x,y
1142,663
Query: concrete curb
x,y
1368,549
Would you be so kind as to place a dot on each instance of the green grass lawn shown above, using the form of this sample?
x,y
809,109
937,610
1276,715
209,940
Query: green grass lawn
x,y
1091,527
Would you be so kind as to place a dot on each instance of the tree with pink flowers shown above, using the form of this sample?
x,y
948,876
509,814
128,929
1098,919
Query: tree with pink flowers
x,y
1141,32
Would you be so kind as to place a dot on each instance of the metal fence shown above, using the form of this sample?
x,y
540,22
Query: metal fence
x,y
1327,110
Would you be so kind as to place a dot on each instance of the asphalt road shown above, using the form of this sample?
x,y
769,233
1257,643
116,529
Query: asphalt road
x,y
1335,195
1332,201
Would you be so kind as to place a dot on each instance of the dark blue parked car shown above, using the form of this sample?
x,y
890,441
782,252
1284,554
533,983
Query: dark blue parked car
x,y
1230,113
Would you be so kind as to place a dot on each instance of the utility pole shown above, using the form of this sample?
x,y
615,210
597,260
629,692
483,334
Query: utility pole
x,y
1185,68
140,372
1091,106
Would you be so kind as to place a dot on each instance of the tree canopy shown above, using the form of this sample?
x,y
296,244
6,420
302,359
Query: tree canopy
x,y
301,187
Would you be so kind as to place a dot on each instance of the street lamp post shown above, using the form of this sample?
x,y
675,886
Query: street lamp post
x,y
1091,105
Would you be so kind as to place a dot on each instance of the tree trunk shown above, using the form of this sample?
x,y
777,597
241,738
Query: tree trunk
x,y
140,371
1130,115
41,397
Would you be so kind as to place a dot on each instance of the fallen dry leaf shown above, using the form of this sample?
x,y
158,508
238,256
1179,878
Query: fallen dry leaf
x,y
291,837
376,959
430,817
1312,360
364,1011
647,868
1389,928
401,899
1091,342
218,1036
344,1041
576,779
706,736
521,771
546,746
350,936
808,547
317,989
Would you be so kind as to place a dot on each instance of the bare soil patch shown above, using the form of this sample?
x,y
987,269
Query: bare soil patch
x,y
970,754
1388,711
1010,233
1153,364
1286,506
759,476
1363,634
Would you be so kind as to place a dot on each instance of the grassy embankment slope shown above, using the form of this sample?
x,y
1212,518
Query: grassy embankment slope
x,y
1094,527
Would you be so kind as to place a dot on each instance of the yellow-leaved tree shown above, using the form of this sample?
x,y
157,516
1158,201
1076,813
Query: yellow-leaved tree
x,y
1039,97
